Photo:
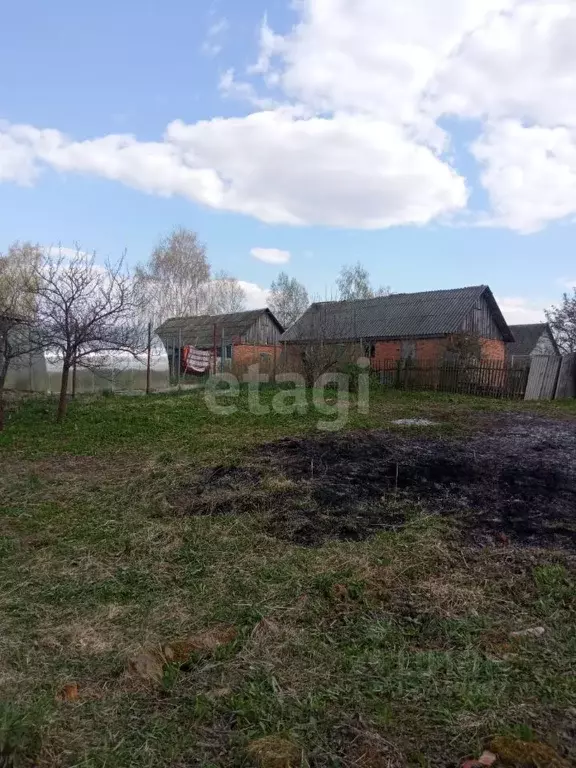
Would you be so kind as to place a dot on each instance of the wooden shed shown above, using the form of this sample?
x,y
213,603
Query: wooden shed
x,y
531,341
219,341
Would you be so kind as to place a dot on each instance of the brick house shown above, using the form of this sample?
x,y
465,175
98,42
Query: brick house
x,y
234,339
420,326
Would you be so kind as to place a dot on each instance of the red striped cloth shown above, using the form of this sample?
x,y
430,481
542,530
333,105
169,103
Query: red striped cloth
x,y
196,360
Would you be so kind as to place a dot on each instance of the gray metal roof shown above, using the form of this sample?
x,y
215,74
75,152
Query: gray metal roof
x,y
199,330
526,337
401,315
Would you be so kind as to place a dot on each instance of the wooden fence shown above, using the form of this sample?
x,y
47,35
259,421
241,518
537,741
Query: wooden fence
x,y
540,378
537,378
486,377
551,377
566,386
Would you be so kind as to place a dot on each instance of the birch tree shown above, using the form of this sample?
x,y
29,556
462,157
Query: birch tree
x,y
176,280
18,337
226,295
354,283
288,299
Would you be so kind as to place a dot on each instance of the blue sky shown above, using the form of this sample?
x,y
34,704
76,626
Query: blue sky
x,y
351,131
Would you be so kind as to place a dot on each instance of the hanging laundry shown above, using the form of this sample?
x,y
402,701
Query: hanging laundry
x,y
196,361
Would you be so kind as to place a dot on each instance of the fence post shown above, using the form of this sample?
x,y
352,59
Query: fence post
x,y
398,374
148,357
173,376
214,349
179,354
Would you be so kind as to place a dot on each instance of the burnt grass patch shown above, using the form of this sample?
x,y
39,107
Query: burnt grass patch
x,y
516,481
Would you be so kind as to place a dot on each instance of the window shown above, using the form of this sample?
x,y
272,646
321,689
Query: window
x,y
369,350
408,349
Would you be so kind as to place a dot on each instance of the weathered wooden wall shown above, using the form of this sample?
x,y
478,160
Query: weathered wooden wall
x,y
567,377
480,322
544,346
543,378
264,331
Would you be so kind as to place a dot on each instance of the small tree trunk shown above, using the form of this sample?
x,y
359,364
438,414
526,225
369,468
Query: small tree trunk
x,y
3,374
63,401
74,370
2,408
148,355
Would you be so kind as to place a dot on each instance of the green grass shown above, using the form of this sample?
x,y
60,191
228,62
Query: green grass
x,y
98,426
402,641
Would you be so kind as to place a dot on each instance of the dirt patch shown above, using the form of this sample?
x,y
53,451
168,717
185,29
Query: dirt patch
x,y
516,482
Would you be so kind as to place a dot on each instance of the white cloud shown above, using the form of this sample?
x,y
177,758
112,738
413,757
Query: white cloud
x,y
212,45
16,160
220,26
56,251
345,171
518,310
567,283
230,87
270,44
256,296
530,173
346,130
517,73
271,255
370,56
520,64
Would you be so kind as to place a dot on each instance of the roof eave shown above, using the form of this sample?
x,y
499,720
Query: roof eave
x,y
498,316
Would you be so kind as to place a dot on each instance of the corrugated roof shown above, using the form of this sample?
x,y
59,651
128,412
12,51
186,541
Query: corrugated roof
x,y
401,315
526,337
199,330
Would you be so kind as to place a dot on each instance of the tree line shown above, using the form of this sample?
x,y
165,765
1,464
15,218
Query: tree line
x,y
79,312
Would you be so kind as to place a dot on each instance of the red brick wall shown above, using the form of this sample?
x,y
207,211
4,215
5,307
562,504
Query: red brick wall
x,y
493,349
426,349
386,350
434,349
248,354
430,349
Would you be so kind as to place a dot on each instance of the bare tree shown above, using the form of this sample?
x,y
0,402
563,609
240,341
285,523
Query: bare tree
x,y
85,311
225,295
288,299
175,281
322,342
562,321
18,337
354,283
466,347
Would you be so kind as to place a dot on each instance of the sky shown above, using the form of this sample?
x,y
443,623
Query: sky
x,y
433,142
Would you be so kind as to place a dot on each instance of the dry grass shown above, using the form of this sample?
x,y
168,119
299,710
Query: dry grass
x,y
394,651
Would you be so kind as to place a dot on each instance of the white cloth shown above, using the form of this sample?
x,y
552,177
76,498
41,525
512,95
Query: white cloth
x,y
196,360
